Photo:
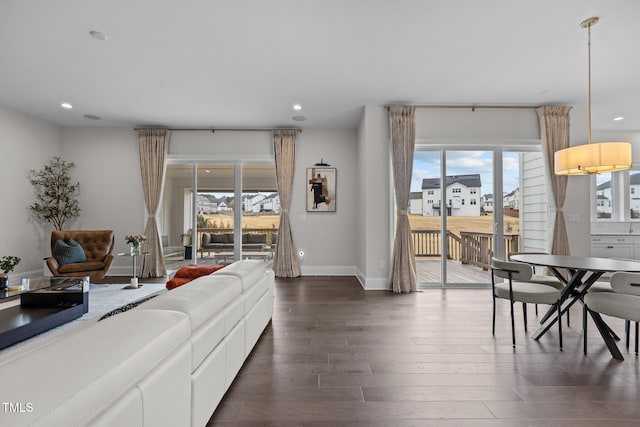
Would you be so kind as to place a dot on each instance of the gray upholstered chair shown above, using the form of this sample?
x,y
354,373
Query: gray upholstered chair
x,y
544,279
622,302
518,288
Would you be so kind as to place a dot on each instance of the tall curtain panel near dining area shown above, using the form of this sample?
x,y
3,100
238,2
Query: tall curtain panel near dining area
x,y
554,132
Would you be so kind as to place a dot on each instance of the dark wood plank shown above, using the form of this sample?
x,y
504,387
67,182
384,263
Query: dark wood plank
x,y
336,355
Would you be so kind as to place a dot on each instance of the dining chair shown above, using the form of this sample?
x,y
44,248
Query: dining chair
x,y
544,279
623,302
517,287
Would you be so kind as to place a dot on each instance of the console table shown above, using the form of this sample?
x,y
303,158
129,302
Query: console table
x,y
48,302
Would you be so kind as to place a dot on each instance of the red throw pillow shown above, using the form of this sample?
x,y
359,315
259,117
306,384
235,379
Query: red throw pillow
x,y
190,272
175,282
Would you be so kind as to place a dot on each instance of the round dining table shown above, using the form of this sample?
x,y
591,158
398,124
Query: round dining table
x,y
578,273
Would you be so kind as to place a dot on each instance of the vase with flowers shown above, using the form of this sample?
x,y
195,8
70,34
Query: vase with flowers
x,y
135,240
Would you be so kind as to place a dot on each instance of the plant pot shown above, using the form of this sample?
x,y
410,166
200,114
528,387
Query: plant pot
x,y
4,283
188,252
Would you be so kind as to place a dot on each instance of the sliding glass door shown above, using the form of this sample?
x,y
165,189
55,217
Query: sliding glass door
x,y
464,209
209,209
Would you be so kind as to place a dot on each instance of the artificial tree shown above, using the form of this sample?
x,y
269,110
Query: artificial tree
x,y
56,196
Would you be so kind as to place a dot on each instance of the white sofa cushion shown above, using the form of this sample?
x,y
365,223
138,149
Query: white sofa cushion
x,y
82,374
201,299
205,300
250,271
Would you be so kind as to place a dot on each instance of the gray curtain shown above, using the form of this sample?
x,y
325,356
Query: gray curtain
x,y
285,258
554,131
154,144
403,134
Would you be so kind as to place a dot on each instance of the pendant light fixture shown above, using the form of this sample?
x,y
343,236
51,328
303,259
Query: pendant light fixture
x,y
592,157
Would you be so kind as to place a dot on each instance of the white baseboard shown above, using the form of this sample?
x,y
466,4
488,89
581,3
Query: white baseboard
x,y
372,283
327,270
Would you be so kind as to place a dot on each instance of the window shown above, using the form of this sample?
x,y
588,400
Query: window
x,y
462,201
473,191
472,201
456,190
614,196
430,192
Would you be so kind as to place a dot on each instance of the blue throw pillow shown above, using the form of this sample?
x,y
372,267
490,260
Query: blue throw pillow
x,y
68,252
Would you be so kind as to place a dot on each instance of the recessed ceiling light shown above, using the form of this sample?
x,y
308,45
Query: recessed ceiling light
x,y
297,107
91,117
98,35
617,119
299,118
66,105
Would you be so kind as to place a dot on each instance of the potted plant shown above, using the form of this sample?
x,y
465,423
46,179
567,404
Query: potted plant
x,y
7,264
56,196
187,242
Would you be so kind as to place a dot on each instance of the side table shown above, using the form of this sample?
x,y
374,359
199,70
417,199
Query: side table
x,y
134,274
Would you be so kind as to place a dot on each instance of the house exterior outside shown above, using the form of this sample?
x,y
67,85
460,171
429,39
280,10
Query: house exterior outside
x,y
415,203
487,203
261,203
634,195
603,199
512,200
462,196
205,206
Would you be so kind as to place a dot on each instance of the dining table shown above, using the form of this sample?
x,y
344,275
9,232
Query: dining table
x,y
578,274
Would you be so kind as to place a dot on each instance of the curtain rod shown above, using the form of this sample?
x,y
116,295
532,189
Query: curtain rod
x,y
469,107
226,129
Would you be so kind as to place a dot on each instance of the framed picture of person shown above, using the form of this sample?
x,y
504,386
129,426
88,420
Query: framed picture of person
x,y
321,189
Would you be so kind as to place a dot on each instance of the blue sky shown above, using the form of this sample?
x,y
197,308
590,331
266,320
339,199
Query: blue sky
x,y
426,164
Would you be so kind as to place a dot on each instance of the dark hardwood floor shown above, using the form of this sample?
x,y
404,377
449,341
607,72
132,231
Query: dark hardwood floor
x,y
336,355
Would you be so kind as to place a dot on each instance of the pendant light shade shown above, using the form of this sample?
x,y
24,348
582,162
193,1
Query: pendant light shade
x,y
592,157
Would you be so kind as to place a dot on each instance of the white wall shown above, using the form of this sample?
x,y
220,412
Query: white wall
x,y
327,238
108,168
576,204
375,204
26,143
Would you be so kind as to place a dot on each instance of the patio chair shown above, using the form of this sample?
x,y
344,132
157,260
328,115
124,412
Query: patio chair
x,y
518,288
622,302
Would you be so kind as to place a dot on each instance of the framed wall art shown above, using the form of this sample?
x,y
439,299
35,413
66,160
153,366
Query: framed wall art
x,y
321,189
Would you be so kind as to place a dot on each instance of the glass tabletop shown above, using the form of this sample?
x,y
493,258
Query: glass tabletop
x,y
71,284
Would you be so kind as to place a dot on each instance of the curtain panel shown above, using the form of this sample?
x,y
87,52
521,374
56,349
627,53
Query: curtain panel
x,y
554,132
153,145
402,124
285,258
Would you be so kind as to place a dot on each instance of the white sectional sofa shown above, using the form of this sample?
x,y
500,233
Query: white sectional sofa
x,y
168,362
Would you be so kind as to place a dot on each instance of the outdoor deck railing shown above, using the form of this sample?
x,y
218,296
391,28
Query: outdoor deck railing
x,y
470,248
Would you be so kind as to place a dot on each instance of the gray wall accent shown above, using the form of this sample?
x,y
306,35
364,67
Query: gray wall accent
x,y
27,143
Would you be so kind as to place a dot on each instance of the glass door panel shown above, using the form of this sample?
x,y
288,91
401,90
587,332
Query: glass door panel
x,y
176,216
215,212
260,210
511,203
425,216
469,223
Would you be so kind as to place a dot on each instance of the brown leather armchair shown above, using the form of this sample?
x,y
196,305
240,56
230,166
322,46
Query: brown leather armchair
x,y
97,246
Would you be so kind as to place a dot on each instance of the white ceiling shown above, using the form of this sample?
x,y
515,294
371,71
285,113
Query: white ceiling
x,y
244,63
